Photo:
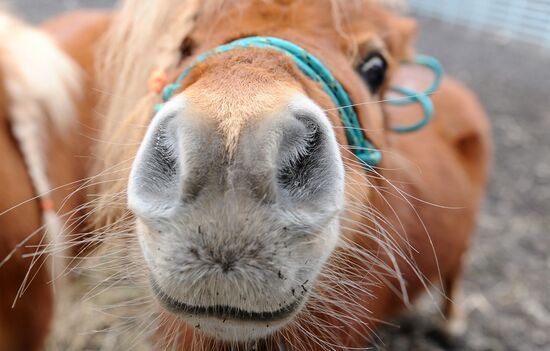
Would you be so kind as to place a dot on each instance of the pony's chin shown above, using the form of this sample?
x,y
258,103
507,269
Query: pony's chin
x,y
230,324
234,331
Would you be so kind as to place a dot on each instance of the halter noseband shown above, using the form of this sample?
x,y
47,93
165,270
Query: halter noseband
x,y
316,71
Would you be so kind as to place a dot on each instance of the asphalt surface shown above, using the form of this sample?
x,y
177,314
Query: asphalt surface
x,y
507,281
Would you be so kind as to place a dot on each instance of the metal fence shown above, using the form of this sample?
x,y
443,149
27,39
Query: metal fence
x,y
527,20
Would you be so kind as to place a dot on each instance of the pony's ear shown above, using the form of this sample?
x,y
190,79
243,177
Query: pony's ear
x,y
401,32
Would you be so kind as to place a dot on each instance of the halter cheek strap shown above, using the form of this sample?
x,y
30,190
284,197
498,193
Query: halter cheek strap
x,y
316,71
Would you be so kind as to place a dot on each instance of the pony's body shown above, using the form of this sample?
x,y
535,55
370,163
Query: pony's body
x,y
47,129
22,327
404,227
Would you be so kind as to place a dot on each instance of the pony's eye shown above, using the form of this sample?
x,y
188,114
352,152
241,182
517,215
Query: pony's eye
x,y
373,71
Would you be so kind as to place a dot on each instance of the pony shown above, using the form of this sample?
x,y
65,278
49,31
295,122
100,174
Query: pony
x,y
46,132
256,224
240,207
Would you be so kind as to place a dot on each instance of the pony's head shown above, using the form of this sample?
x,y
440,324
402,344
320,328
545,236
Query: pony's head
x,y
237,188
242,177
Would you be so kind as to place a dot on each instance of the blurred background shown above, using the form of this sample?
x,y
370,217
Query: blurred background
x,y
501,50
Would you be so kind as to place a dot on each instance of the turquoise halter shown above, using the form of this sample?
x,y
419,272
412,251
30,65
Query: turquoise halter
x,y
410,96
316,71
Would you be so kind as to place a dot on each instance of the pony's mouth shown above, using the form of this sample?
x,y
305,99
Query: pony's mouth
x,y
224,313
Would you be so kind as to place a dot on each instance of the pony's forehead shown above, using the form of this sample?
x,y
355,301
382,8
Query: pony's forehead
x,y
321,20
242,83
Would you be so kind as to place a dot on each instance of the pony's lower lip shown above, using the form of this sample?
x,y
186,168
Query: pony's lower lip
x,y
224,313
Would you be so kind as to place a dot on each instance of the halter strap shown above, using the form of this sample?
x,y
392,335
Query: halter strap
x,y
316,71
410,96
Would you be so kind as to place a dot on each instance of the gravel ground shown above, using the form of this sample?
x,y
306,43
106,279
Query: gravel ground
x,y
507,282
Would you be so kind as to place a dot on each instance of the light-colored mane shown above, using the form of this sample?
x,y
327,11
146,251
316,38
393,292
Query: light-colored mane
x,y
41,85
39,73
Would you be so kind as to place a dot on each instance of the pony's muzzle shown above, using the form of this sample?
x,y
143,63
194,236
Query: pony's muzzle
x,y
236,226
288,155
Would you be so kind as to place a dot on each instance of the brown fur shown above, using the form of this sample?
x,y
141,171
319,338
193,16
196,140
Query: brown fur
x,y
25,326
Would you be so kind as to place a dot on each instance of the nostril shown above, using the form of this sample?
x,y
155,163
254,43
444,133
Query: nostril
x,y
155,177
172,163
310,170
163,159
302,153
